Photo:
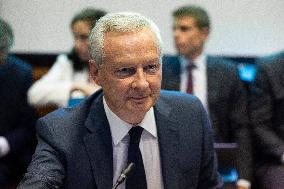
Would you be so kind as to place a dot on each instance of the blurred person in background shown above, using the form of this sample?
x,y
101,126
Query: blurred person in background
x,y
214,81
267,116
69,76
17,118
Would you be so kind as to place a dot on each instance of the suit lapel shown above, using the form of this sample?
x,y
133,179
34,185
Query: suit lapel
x,y
168,137
211,83
98,144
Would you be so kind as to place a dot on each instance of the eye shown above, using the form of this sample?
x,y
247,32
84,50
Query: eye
x,y
184,28
152,68
125,72
83,37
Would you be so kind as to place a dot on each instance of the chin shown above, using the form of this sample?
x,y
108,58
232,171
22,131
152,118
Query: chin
x,y
84,57
140,108
182,52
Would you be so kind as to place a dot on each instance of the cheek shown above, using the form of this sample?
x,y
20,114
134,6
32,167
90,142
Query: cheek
x,y
155,83
86,46
192,38
116,87
101,79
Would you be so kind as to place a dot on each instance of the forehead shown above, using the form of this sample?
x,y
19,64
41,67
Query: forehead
x,y
185,20
139,44
81,26
131,36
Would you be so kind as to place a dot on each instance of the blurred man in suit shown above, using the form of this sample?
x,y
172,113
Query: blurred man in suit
x,y
88,146
213,80
267,107
17,119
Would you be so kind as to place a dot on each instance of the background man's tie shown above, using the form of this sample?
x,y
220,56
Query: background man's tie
x,y
190,68
137,180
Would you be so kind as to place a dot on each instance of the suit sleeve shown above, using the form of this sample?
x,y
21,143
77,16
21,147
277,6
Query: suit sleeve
x,y
22,138
262,109
46,170
209,177
239,118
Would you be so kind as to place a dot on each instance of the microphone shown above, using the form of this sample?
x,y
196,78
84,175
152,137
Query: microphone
x,y
124,174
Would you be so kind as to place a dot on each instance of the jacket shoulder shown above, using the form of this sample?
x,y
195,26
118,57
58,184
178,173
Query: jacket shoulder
x,y
171,65
221,63
170,58
71,117
180,101
272,64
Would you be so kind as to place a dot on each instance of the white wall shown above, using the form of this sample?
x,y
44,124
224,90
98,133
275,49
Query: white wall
x,y
239,27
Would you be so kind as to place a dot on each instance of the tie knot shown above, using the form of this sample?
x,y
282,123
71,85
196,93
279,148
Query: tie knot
x,y
191,65
135,134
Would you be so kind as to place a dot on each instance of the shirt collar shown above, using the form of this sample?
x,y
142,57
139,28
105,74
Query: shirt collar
x,y
198,62
119,128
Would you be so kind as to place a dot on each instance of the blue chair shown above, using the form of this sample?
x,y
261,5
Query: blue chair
x,y
74,101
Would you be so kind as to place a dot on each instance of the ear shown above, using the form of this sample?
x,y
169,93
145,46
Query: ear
x,y
205,32
94,71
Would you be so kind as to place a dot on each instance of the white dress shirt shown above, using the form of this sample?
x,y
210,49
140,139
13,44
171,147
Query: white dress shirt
x,y
199,78
55,86
149,147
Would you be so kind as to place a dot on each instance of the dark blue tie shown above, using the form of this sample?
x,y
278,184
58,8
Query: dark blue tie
x,y
137,180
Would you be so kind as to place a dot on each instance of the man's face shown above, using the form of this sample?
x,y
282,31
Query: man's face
x,y
189,39
130,74
81,31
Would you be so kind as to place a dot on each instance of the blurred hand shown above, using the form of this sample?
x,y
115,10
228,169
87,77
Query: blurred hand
x,y
4,147
242,187
243,184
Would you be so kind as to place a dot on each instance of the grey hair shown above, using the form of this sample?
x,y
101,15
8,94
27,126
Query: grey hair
x,y
6,36
122,22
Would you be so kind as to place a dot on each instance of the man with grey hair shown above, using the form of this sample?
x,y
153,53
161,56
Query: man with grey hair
x,y
165,135
17,119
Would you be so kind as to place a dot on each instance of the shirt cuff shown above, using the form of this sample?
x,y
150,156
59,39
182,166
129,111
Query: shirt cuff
x,y
244,183
4,146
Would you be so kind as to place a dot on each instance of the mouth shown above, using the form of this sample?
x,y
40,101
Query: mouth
x,y
139,99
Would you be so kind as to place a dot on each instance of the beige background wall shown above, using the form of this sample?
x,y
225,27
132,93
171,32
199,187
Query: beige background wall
x,y
239,27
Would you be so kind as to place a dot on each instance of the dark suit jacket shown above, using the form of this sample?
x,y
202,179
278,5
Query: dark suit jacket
x,y
17,119
267,107
75,146
227,101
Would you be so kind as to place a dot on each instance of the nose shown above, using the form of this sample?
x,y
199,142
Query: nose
x,y
78,43
140,81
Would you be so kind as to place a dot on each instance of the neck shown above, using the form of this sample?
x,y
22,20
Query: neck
x,y
135,119
193,55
